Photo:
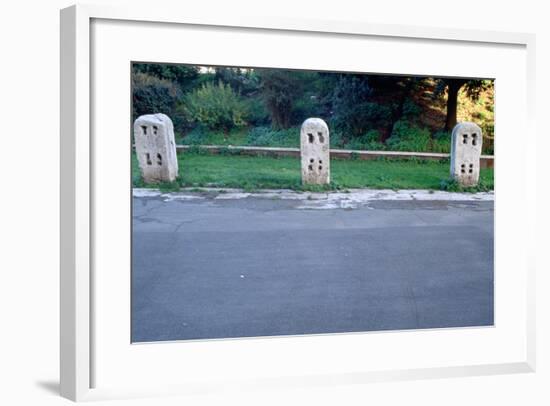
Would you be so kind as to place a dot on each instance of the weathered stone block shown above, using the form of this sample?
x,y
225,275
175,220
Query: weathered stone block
x,y
156,148
315,152
466,143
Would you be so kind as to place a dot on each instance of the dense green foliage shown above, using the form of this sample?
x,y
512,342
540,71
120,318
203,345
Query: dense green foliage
x,y
353,110
267,137
407,137
152,94
280,89
215,106
265,107
183,76
253,172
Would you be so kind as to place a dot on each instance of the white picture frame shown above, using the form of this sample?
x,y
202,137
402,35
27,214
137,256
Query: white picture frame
x,y
78,353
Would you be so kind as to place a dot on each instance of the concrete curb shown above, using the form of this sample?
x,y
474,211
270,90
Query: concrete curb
x,y
486,161
352,195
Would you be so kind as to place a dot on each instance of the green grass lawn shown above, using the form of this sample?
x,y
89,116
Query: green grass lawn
x,y
255,172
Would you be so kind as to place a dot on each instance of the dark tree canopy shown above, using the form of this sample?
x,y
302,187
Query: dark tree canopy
x,y
280,89
267,106
351,107
364,102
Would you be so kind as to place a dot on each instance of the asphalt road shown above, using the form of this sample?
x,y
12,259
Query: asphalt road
x,y
223,266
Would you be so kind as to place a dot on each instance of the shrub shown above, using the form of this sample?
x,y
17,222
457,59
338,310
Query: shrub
x,y
308,105
439,146
197,136
442,136
451,185
369,141
441,142
257,133
354,109
257,113
406,137
279,89
351,95
411,110
216,106
153,95
266,137
336,139
184,76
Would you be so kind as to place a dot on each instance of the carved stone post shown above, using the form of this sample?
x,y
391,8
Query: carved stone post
x,y
315,152
156,148
466,143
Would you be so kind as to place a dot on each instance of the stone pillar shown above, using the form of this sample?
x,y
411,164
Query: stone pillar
x,y
466,143
156,148
315,152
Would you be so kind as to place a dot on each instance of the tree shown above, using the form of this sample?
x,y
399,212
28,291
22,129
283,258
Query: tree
x,y
280,89
453,86
184,76
362,103
243,80
394,92
351,105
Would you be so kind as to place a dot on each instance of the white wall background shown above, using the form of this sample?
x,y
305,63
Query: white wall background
x,y
29,204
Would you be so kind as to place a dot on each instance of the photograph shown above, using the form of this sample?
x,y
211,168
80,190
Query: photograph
x,y
281,202
275,204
